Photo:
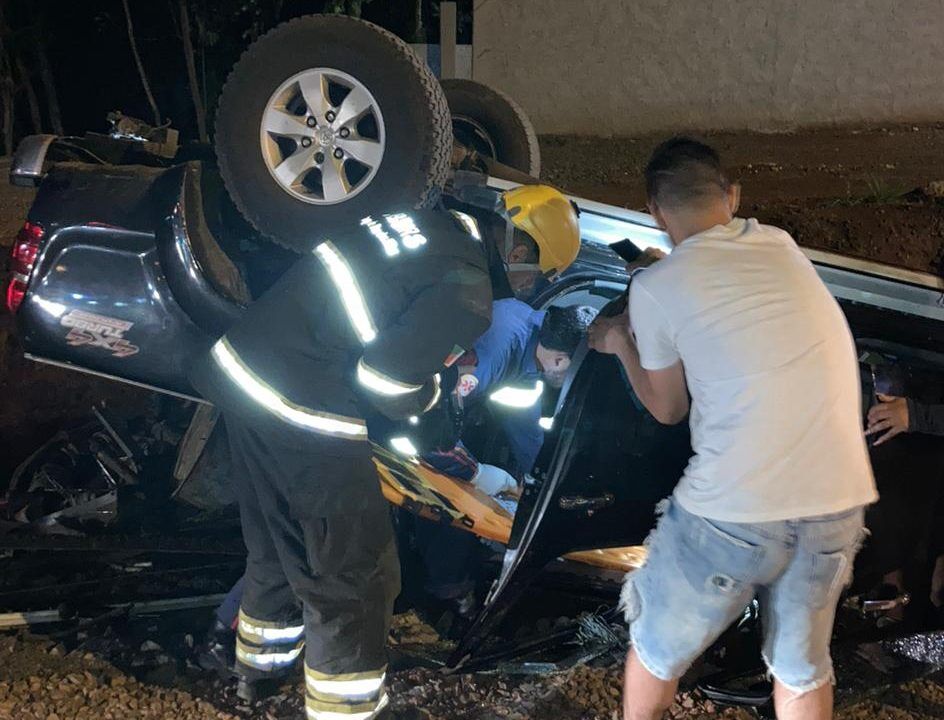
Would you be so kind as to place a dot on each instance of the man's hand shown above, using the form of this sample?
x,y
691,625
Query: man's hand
x,y
648,257
891,417
608,335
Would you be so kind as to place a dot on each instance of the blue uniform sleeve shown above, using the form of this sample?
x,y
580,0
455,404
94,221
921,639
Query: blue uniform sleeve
x,y
494,355
525,437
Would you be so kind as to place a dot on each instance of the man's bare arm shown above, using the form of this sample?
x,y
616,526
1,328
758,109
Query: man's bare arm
x,y
663,392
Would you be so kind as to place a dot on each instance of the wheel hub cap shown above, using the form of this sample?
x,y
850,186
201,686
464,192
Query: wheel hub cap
x,y
351,143
324,136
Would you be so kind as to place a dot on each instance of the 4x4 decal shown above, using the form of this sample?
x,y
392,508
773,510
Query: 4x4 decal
x,y
98,331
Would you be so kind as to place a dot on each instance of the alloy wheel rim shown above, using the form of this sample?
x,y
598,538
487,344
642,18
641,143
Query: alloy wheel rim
x,y
322,136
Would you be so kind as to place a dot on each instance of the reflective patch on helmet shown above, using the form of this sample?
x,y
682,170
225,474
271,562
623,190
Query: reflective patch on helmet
x,y
466,385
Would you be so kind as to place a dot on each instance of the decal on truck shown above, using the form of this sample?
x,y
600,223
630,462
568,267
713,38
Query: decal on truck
x,y
98,331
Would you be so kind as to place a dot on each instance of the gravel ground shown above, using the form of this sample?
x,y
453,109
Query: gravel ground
x,y
115,675
40,681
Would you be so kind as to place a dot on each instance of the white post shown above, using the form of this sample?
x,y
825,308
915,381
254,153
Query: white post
x,y
447,39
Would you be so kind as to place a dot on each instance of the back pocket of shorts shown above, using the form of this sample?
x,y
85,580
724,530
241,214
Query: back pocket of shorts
x,y
829,574
715,560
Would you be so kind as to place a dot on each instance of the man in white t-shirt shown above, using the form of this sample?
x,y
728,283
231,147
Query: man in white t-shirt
x,y
736,330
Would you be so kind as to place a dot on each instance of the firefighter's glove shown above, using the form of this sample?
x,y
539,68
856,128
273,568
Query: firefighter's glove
x,y
437,430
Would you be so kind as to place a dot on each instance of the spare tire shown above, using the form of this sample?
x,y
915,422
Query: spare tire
x,y
491,123
325,120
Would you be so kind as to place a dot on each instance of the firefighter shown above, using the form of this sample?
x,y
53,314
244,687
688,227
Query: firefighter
x,y
521,348
365,323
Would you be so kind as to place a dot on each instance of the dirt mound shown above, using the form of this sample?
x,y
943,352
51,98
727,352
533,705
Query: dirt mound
x,y
850,190
908,234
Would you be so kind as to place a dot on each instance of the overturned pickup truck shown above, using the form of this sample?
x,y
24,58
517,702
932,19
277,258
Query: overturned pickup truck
x,y
131,271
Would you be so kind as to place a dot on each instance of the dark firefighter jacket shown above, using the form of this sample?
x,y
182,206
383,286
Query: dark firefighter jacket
x,y
925,418
373,313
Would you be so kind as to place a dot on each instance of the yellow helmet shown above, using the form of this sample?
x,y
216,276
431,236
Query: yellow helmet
x,y
550,219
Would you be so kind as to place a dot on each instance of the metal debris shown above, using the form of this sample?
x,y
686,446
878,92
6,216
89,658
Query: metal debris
x,y
153,607
923,647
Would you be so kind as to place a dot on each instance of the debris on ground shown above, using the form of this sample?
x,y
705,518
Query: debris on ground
x,y
935,189
39,680
120,674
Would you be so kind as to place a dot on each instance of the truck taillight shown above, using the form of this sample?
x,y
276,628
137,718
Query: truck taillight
x,y
23,254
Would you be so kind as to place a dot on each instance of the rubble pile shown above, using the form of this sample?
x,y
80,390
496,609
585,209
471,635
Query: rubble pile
x,y
39,680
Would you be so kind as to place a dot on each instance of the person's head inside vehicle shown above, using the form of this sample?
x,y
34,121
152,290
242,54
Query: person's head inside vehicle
x,y
533,230
541,235
687,188
561,333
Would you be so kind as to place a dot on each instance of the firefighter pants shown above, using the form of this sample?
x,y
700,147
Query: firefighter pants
x,y
322,572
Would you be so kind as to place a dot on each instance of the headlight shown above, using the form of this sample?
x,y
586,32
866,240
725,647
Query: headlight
x,y
518,397
546,423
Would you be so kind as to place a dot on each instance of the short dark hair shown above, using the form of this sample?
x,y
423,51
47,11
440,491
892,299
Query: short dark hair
x,y
683,171
564,327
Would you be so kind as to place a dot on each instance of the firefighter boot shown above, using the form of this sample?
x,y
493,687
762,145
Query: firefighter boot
x,y
217,653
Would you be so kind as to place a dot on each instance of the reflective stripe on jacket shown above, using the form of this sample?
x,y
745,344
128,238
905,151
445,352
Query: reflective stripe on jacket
x,y
371,313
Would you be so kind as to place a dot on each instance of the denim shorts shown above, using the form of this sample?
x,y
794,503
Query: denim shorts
x,y
701,574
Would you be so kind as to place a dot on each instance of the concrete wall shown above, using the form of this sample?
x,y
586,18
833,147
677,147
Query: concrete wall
x,y
629,66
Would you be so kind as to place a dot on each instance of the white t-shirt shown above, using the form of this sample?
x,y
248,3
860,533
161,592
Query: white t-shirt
x,y
772,371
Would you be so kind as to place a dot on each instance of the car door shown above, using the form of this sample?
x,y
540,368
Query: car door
x,y
604,468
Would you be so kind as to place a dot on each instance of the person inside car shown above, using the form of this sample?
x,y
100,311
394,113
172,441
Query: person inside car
x,y
522,349
735,330
916,516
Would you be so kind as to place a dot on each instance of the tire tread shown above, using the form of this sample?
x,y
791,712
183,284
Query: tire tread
x,y
437,149
476,88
